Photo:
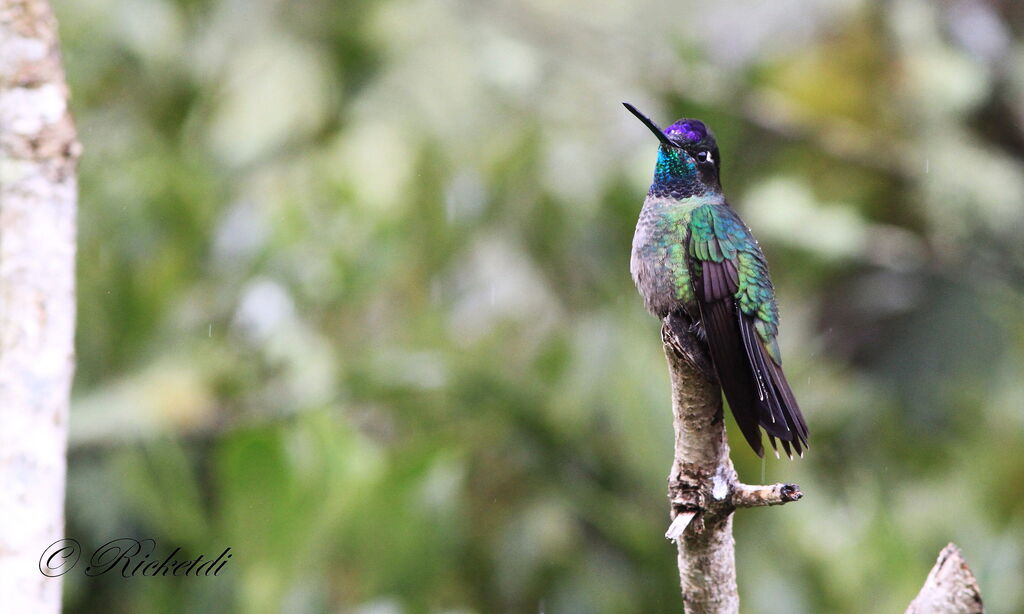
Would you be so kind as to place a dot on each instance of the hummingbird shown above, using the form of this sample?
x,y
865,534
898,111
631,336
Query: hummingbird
x,y
693,258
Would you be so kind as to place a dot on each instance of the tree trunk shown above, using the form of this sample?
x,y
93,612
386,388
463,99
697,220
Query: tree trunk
x,y
38,152
704,489
950,588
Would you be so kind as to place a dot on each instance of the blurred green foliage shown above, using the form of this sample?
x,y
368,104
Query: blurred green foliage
x,y
354,297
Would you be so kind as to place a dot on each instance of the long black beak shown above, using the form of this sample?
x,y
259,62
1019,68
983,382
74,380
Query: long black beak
x,y
650,125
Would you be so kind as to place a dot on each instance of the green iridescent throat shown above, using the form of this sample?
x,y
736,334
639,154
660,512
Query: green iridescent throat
x,y
676,175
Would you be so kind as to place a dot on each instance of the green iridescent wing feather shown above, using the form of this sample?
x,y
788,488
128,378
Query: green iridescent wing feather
x,y
729,279
717,235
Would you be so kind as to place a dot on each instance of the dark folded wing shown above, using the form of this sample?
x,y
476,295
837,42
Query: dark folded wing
x,y
737,306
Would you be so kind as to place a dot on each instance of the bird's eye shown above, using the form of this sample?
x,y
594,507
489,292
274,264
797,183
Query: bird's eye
x,y
704,156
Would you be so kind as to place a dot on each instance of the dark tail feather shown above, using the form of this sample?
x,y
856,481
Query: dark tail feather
x,y
785,447
779,412
791,410
775,422
755,386
734,374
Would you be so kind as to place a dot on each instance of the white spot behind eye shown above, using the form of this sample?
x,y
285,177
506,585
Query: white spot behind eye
x,y
704,156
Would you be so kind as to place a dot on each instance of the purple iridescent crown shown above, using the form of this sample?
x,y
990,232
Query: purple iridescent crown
x,y
687,130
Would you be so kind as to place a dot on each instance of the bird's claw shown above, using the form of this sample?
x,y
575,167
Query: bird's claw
x,y
688,341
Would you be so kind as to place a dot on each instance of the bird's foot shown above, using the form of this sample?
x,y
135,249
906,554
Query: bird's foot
x,y
689,342
697,330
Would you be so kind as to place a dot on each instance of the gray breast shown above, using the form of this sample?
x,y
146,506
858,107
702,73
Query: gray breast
x,y
648,262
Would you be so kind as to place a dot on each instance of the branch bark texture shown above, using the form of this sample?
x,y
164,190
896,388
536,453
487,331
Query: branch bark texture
x,y
951,588
38,153
704,489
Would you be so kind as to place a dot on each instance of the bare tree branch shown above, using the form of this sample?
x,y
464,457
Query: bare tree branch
x,y
951,588
38,151
744,495
704,489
